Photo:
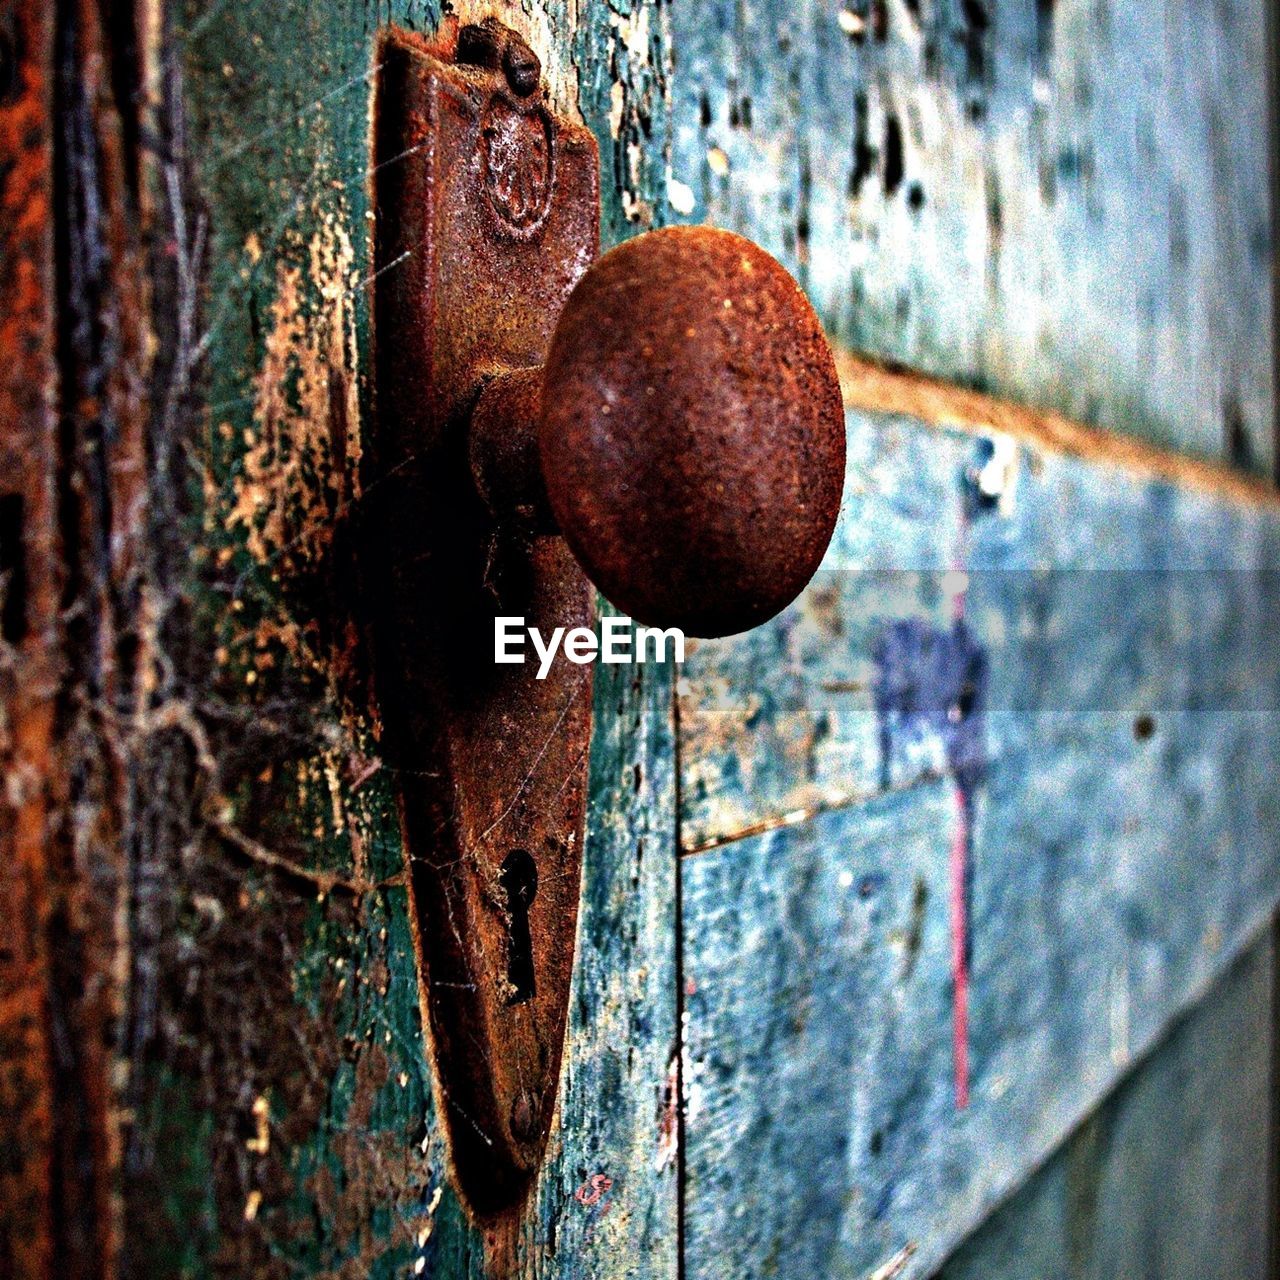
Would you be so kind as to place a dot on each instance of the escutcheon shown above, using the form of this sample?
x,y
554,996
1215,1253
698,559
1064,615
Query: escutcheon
x,y
487,212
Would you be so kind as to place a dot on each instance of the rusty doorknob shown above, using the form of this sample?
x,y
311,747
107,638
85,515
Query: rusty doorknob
x,y
685,435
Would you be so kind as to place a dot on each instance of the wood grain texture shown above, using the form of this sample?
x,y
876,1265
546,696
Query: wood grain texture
x,y
1054,203
1087,655
1184,1138
29,606
878,387
281,1086
261,1091
81,390
781,722
1062,203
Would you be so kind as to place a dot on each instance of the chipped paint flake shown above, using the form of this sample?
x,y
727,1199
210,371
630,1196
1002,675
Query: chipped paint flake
x,y
617,104
681,197
633,31
304,451
895,1265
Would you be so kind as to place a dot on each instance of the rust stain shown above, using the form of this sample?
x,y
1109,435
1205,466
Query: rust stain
x,y
73,462
288,499
28,654
492,824
669,1117
303,455
895,1265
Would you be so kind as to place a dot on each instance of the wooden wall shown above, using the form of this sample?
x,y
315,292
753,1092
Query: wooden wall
x,y
1067,204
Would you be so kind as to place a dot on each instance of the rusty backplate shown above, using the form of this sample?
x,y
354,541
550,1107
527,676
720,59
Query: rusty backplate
x,y
487,214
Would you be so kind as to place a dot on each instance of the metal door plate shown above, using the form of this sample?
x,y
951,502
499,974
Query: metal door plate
x,y
487,209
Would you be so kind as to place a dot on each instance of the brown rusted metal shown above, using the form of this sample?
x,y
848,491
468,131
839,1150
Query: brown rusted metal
x,y
693,457
487,214
504,450
694,453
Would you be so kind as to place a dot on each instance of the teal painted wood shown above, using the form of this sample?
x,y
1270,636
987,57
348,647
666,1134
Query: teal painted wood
x,y
1077,219
781,722
1164,1179
1065,203
1115,735
289,1124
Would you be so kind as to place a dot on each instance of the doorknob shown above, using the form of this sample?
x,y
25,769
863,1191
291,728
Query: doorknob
x,y
686,433
672,410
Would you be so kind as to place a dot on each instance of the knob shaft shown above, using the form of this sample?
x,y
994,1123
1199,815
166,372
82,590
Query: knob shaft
x,y
692,434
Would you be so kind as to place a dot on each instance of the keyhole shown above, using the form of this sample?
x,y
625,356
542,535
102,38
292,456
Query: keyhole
x,y
519,879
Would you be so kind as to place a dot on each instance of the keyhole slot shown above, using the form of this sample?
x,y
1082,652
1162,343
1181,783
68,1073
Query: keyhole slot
x,y
519,880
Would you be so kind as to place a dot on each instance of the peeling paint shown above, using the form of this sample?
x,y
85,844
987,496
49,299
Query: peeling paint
x,y
303,458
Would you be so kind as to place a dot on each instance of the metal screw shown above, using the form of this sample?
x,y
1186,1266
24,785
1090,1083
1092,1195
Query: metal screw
x,y
522,67
490,44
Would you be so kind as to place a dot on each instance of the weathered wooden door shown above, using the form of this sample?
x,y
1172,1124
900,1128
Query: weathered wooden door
x,y
963,844
886,905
